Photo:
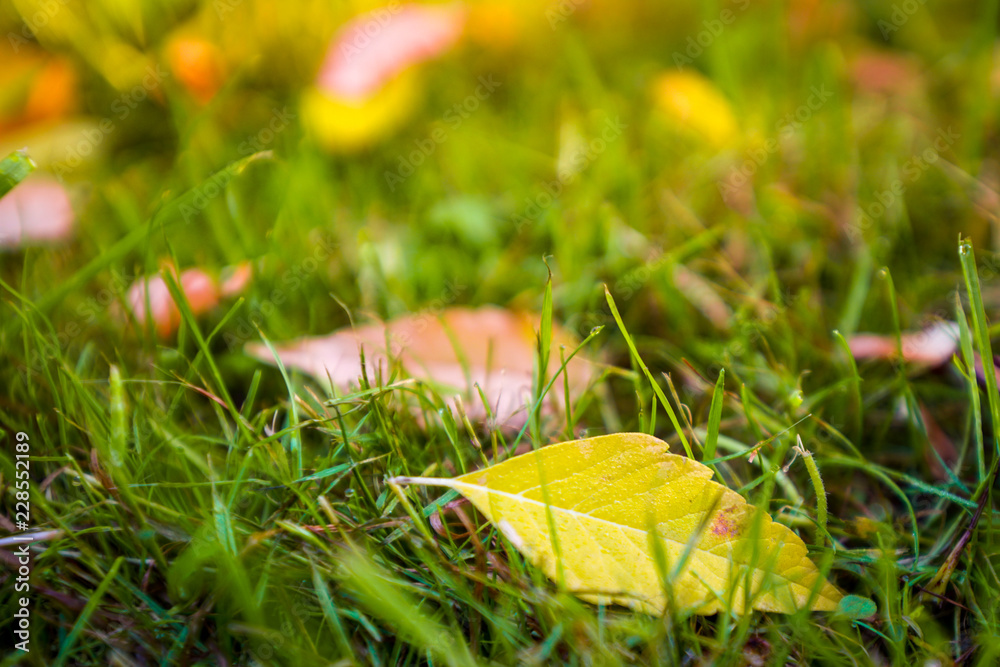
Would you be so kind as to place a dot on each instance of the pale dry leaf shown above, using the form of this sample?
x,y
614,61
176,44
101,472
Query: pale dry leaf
x,y
885,73
608,500
367,85
453,349
375,47
36,211
932,346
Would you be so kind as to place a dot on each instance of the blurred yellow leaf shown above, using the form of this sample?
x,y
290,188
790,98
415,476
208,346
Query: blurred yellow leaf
x,y
616,501
692,101
366,86
344,125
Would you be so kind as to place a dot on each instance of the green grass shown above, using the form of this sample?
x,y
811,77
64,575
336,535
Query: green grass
x,y
205,516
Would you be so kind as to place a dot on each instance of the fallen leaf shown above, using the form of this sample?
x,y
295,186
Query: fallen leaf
x,y
35,87
378,45
235,279
37,210
692,101
200,289
53,94
604,494
885,73
496,350
198,65
339,125
932,346
366,87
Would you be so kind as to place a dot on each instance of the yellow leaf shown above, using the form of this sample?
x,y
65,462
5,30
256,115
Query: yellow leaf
x,y
605,494
343,125
691,100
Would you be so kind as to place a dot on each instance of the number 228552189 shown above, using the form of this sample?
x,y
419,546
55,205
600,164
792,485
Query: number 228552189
x,y
22,466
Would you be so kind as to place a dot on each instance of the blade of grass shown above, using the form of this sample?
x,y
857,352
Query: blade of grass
x,y
714,419
544,342
294,441
856,404
13,169
965,340
967,257
88,610
649,376
188,316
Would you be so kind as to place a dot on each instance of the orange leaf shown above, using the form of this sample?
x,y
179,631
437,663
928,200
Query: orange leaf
x,y
200,289
198,65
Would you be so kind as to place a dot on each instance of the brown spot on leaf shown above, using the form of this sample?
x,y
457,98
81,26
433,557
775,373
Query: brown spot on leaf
x,y
724,524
